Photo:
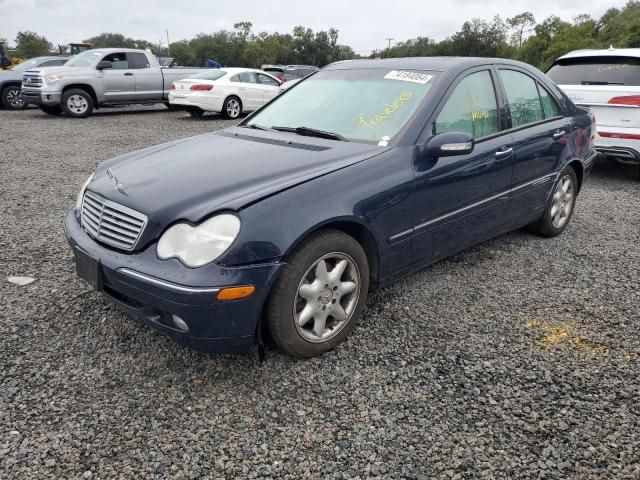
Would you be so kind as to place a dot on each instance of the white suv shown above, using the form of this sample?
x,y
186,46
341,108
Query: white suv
x,y
607,82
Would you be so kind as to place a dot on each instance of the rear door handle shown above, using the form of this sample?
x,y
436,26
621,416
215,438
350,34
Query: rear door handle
x,y
559,135
504,153
128,74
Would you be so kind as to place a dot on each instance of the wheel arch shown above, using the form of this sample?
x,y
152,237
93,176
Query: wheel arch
x,y
87,88
359,232
578,167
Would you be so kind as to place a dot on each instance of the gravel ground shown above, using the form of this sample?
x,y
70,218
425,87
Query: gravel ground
x,y
519,358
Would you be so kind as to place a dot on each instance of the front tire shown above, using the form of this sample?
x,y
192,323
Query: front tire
x,y
77,103
319,295
232,108
12,98
560,206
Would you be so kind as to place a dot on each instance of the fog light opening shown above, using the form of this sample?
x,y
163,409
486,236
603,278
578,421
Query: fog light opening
x,y
236,293
179,323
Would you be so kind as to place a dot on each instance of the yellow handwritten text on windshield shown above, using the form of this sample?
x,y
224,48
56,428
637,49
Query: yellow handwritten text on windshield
x,y
389,110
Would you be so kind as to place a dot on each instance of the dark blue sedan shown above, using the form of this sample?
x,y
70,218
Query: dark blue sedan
x,y
362,173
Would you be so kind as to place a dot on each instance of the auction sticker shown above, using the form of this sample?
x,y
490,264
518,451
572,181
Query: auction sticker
x,y
415,77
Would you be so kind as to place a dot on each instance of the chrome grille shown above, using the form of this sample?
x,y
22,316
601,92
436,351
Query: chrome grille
x,y
31,80
111,223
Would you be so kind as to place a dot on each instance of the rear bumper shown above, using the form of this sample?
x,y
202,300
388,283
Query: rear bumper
x,y
208,103
213,326
39,98
623,143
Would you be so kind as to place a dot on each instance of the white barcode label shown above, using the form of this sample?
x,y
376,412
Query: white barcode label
x,y
414,77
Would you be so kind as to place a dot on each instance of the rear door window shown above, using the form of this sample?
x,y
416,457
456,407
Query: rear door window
x,y
596,71
247,77
471,107
523,99
550,108
138,60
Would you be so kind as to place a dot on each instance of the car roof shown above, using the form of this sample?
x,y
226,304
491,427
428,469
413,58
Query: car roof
x,y
608,52
440,64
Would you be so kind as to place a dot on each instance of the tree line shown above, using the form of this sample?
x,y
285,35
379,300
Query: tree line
x,y
520,37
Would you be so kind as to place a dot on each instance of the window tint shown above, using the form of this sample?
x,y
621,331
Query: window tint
x,y
549,106
596,71
267,80
138,60
246,77
53,63
118,60
522,97
471,107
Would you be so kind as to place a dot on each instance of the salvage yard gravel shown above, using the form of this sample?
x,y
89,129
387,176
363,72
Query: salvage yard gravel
x,y
519,358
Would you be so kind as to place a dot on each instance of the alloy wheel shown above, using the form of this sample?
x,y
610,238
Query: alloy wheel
x,y
77,104
14,97
233,108
326,297
562,203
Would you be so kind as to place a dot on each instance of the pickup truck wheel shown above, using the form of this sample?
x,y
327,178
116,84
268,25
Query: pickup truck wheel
x,y
319,294
12,98
77,103
51,110
196,112
232,108
560,206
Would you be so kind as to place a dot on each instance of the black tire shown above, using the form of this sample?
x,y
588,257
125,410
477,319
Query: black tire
x,y
51,110
196,112
232,113
545,226
12,98
281,304
84,103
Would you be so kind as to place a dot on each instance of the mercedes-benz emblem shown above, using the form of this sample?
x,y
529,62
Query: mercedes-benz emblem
x,y
118,185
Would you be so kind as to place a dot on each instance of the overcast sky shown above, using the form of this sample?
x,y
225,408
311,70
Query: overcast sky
x,y
363,25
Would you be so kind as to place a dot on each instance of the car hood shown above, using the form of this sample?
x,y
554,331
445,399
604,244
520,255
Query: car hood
x,y
62,70
226,170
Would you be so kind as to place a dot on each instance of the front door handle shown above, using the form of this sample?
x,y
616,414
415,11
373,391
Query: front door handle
x,y
128,74
559,135
504,153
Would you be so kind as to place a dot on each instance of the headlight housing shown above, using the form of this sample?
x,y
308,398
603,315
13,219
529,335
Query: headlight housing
x,y
81,194
199,245
50,79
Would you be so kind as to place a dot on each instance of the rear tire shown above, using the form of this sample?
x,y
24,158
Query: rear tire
x,y
326,275
560,206
196,112
12,98
77,103
51,110
232,108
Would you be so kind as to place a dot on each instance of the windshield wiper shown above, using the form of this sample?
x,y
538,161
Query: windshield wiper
x,y
587,82
255,126
311,132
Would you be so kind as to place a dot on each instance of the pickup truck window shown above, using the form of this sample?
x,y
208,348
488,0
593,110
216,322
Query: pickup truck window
x,y
137,60
118,60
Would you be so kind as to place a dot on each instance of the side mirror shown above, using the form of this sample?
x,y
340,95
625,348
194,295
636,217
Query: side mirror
x,y
448,144
104,65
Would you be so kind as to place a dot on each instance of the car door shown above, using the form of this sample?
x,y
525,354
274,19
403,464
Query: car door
x,y
118,84
540,133
148,81
270,87
459,200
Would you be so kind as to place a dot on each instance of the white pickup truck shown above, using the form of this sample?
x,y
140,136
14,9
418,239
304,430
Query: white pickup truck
x,y
105,77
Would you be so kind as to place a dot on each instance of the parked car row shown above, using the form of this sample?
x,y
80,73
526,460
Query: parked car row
x,y
362,173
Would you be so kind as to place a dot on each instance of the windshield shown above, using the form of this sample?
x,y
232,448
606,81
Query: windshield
x,y
26,65
210,75
369,105
85,59
596,71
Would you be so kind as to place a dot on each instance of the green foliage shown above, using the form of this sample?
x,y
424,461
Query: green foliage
x,y
29,44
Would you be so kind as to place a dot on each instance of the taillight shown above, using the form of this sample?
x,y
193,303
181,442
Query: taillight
x,y
632,100
282,78
592,140
200,87
173,86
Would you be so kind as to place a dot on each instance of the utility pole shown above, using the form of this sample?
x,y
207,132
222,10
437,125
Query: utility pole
x,y
389,40
168,45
